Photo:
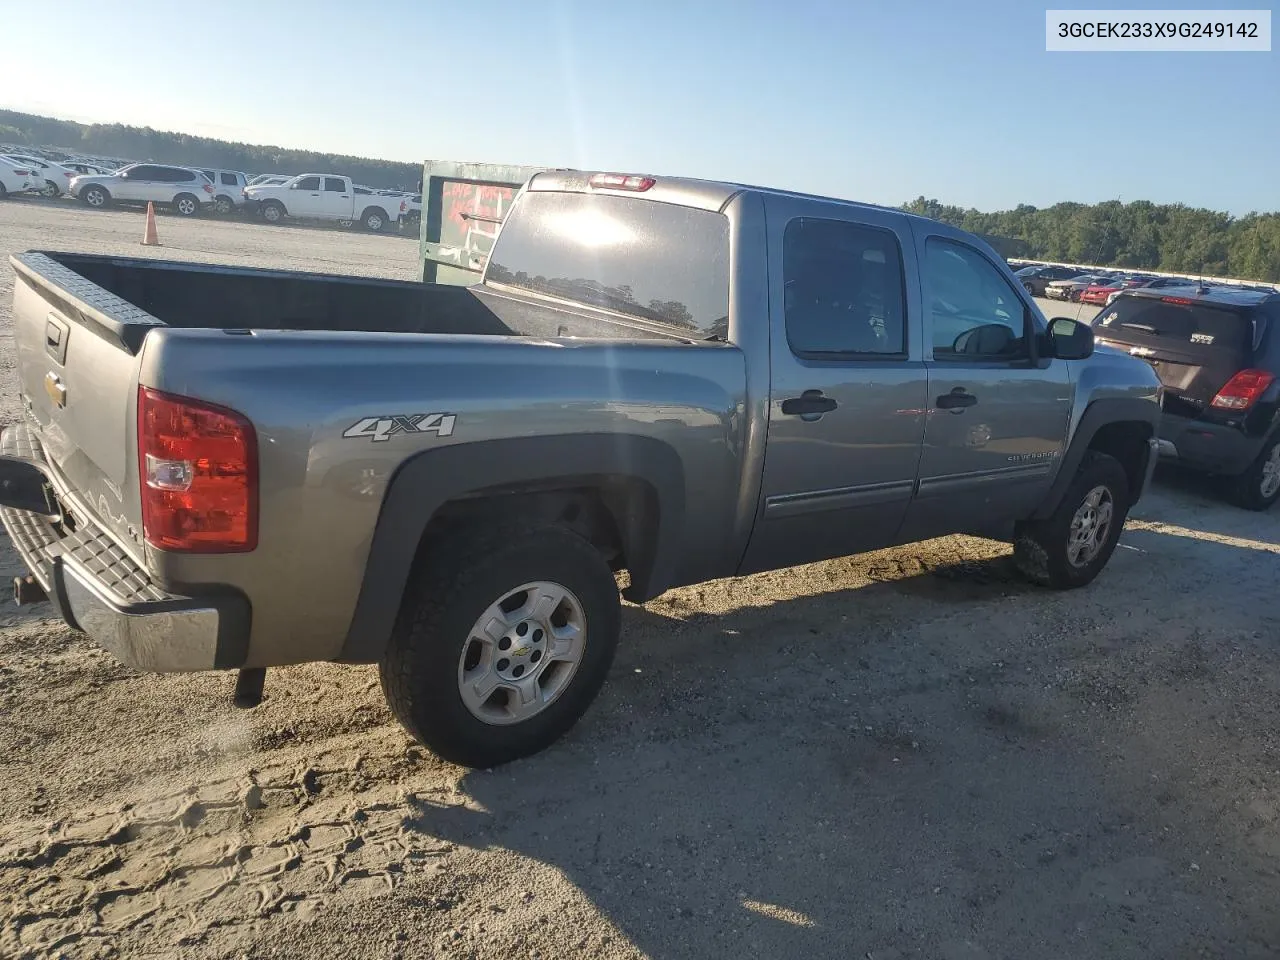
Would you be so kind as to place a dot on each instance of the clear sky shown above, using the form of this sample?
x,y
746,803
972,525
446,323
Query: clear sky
x,y
877,100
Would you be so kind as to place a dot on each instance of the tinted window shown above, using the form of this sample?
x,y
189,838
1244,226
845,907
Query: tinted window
x,y
334,185
309,183
230,180
974,312
211,175
655,262
842,287
363,191
1198,324
175,175
143,172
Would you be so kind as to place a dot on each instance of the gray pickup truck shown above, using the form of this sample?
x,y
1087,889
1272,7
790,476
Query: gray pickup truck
x,y
658,382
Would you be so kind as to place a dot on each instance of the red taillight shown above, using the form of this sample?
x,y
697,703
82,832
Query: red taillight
x,y
403,206
198,469
1243,390
1182,300
208,188
621,181
22,173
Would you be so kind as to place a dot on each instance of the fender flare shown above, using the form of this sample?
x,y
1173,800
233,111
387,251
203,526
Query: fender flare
x,y
427,481
1097,415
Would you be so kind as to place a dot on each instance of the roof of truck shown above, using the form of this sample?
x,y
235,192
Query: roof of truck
x,y
690,191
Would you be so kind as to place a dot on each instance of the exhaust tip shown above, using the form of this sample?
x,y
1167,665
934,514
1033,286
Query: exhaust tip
x,y
27,591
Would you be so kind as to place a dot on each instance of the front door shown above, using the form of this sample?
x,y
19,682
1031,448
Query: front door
x,y
305,198
848,383
997,421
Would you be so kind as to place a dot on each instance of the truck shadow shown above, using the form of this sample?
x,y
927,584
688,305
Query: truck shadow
x,y
850,773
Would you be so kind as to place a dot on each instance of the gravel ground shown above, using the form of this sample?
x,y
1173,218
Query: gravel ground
x,y
907,754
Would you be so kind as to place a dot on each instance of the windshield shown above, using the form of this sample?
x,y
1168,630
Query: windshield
x,y
654,262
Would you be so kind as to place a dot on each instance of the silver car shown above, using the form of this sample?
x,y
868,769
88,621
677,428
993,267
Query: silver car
x,y
182,189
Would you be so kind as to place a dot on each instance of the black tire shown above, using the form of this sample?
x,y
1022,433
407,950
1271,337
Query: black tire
x,y
448,593
1040,547
224,206
4,194
186,205
1030,288
374,219
95,196
1247,489
273,211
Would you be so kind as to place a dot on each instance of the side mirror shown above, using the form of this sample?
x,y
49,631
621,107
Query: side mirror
x,y
1069,339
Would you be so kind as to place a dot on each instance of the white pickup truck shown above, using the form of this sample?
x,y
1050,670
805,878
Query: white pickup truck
x,y
324,196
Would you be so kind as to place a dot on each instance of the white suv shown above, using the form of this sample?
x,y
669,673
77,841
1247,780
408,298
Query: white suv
x,y
228,189
186,191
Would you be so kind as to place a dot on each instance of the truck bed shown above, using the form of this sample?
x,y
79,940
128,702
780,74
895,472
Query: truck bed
x,y
215,297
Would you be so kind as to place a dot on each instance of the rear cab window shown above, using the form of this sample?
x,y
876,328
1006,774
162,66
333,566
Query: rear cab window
x,y
658,265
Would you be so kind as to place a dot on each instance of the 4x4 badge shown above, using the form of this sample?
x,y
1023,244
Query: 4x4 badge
x,y
378,429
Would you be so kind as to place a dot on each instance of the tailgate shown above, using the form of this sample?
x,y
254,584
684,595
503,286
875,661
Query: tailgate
x,y
77,350
1195,347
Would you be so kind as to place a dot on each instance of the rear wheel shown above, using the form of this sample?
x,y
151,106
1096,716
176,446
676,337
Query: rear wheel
x,y
50,190
184,204
95,196
502,642
374,220
223,206
3,192
1070,548
1259,486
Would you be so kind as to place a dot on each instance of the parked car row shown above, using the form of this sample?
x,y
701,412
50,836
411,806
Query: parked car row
x,y
1098,287
189,191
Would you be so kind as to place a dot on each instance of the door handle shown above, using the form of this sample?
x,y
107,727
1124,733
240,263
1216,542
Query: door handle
x,y
957,400
810,405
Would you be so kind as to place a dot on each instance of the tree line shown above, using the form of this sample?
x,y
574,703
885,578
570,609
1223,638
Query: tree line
x,y
116,140
1141,234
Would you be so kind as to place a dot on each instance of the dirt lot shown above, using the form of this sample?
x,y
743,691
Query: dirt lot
x,y
910,754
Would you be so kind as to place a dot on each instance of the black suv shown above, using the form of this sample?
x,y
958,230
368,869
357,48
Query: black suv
x,y
1035,279
1217,352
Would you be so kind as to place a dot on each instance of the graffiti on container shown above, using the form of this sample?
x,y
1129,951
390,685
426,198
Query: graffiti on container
x,y
471,214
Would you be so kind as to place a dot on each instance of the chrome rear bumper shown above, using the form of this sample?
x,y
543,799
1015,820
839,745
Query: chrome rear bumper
x,y
99,589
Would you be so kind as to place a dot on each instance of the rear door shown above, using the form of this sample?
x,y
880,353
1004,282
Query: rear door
x,y
997,419
337,199
1195,347
848,382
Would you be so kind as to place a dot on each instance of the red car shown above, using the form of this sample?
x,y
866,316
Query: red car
x,y
1098,292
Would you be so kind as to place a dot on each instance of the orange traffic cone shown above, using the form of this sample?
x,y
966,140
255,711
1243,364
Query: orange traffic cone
x,y
149,238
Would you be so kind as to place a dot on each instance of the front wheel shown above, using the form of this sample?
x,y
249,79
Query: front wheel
x,y
95,197
1031,290
1070,548
1259,486
502,642
273,212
